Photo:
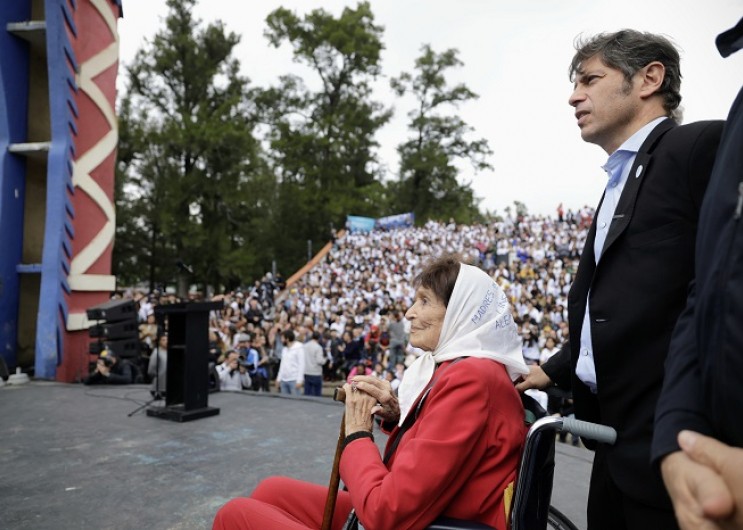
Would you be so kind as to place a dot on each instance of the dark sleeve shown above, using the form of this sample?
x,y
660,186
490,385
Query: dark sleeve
x,y
702,159
681,401
558,368
123,378
680,405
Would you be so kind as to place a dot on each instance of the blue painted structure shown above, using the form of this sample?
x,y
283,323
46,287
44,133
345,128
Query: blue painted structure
x,y
14,67
57,249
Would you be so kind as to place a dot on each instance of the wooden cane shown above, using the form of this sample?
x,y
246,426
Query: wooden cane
x,y
335,476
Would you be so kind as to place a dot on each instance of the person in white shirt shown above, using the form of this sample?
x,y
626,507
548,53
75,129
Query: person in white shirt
x,y
548,351
291,372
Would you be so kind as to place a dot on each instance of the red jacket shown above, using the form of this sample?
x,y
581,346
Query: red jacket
x,y
458,459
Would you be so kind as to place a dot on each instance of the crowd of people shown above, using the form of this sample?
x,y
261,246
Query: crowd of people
x,y
346,316
366,280
648,355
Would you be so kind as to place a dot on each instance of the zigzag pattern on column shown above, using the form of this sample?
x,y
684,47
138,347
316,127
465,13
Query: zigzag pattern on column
x,y
79,279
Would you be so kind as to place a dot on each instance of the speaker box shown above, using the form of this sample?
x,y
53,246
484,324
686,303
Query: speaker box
x,y
115,330
113,310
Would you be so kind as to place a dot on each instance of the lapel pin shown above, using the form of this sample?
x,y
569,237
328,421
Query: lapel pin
x,y
638,172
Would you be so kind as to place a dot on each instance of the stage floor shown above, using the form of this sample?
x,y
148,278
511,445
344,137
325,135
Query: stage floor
x,y
72,458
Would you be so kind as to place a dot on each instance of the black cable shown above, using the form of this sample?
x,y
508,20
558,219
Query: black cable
x,y
125,397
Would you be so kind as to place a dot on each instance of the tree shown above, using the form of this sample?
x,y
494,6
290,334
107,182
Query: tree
x,y
193,175
322,141
131,252
428,183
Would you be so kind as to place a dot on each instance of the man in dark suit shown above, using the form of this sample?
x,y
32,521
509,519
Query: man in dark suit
x,y
635,268
698,437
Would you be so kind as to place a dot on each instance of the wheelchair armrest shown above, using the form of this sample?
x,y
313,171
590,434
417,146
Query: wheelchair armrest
x,y
448,523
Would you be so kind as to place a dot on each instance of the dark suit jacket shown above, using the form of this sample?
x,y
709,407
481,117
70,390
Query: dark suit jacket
x,y
637,291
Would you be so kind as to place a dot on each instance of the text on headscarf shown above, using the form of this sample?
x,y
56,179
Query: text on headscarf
x,y
487,300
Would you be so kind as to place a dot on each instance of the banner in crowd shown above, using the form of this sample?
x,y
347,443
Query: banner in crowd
x,y
355,223
402,220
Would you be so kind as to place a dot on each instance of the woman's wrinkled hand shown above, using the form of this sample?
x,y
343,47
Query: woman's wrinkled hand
x,y
359,407
386,406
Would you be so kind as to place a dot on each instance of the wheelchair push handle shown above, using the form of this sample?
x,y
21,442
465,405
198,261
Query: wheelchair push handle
x,y
593,431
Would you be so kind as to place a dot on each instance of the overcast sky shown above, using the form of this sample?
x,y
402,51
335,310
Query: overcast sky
x,y
515,57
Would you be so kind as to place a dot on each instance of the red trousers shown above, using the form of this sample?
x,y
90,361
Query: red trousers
x,y
280,503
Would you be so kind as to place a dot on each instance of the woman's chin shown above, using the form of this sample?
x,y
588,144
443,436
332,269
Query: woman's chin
x,y
423,347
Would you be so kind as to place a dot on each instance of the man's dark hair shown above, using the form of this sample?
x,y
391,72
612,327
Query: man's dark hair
x,y
629,51
288,334
440,275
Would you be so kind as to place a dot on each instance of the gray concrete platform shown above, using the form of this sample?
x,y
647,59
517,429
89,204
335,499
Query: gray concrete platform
x,y
72,458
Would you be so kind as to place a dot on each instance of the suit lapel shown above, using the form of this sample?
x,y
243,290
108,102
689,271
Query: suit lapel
x,y
635,178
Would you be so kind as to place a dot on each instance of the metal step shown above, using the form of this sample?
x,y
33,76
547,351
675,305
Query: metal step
x,y
31,149
33,31
28,268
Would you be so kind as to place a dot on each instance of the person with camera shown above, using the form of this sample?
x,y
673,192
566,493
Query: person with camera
x,y
110,370
233,373
251,356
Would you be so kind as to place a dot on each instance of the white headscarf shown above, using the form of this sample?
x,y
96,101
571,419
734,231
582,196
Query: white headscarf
x,y
477,323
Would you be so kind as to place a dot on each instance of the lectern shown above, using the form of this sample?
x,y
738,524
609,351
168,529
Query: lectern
x,y
187,384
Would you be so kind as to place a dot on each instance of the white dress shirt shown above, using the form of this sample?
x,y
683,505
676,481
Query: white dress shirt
x,y
617,169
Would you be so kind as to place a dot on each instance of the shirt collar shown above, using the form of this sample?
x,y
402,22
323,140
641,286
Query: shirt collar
x,y
634,142
628,150
614,165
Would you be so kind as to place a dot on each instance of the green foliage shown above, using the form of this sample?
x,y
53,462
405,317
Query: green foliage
x,y
322,141
192,179
428,173
131,252
194,183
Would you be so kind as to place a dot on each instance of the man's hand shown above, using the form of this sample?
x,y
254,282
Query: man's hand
x,y
103,369
387,407
536,378
705,482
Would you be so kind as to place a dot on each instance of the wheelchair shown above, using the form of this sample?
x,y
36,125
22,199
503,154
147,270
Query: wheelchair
x,y
531,508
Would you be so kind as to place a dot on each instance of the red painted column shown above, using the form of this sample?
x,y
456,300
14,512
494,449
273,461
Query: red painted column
x,y
90,280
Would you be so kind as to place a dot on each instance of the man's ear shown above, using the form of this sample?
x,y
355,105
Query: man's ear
x,y
651,78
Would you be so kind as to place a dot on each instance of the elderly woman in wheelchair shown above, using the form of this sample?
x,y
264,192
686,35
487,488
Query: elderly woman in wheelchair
x,y
456,428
